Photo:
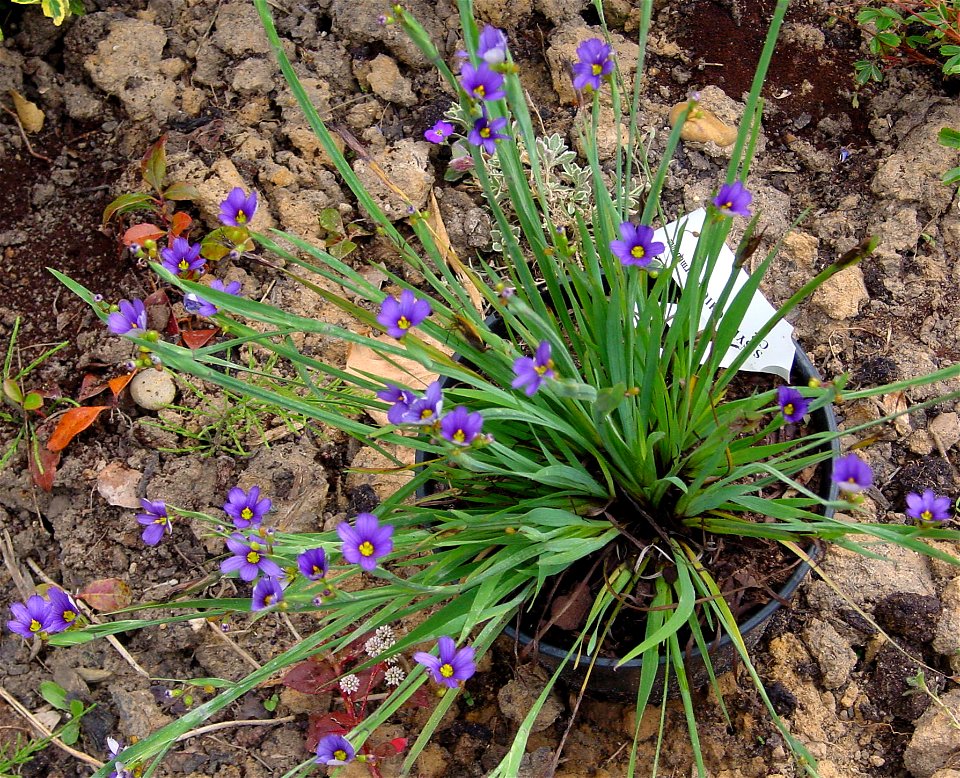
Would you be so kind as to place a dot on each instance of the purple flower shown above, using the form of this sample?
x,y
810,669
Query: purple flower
x,y
852,474
183,258
460,426
481,83
63,610
928,507
239,207
33,619
119,769
365,543
733,200
492,45
484,133
637,247
249,559
197,305
155,519
398,316
439,132
246,508
408,408
313,564
792,404
595,63
334,750
267,593
452,666
131,316
532,372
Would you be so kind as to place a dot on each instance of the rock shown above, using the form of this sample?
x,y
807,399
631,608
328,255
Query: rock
x,y
504,13
433,762
386,82
118,484
606,140
867,581
127,64
841,296
920,442
800,248
81,103
561,10
702,126
254,75
947,772
935,740
239,30
945,429
517,697
357,21
912,173
406,165
11,70
833,654
153,389
139,714
946,641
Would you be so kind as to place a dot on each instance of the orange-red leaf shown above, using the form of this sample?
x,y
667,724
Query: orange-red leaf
x,y
90,387
119,383
197,338
72,423
138,233
107,594
43,466
180,224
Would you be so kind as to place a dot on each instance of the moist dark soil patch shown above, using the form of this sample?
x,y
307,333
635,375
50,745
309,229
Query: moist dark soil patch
x,y
805,82
51,218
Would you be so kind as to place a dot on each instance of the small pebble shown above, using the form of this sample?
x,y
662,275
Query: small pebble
x,y
153,389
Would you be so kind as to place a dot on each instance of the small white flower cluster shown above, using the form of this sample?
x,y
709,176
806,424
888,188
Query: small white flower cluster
x,y
382,639
349,684
394,675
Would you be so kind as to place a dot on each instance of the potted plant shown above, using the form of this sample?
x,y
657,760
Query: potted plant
x,y
603,423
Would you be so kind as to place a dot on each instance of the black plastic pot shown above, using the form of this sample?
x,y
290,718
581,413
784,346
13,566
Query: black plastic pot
x,y
608,680
621,682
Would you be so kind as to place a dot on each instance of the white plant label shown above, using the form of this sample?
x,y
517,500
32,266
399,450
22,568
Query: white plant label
x,y
774,354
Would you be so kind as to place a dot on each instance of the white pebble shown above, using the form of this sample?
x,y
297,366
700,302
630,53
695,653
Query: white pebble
x,y
153,389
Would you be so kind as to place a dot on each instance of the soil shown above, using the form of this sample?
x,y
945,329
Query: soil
x,y
112,81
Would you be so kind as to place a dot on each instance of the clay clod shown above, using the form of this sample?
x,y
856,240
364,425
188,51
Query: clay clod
x,y
702,125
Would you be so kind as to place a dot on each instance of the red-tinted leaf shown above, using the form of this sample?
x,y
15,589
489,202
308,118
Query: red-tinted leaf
x,y
73,422
138,233
311,676
153,166
180,190
158,297
422,698
91,386
119,383
107,594
180,223
391,748
43,465
321,725
197,338
136,201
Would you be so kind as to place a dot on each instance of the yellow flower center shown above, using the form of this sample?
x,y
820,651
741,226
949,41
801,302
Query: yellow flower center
x,y
268,600
35,625
366,548
340,755
926,516
728,204
317,570
597,69
184,265
426,413
788,409
638,252
541,369
69,616
160,520
446,670
241,217
460,436
403,323
253,557
246,514
479,90
485,132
